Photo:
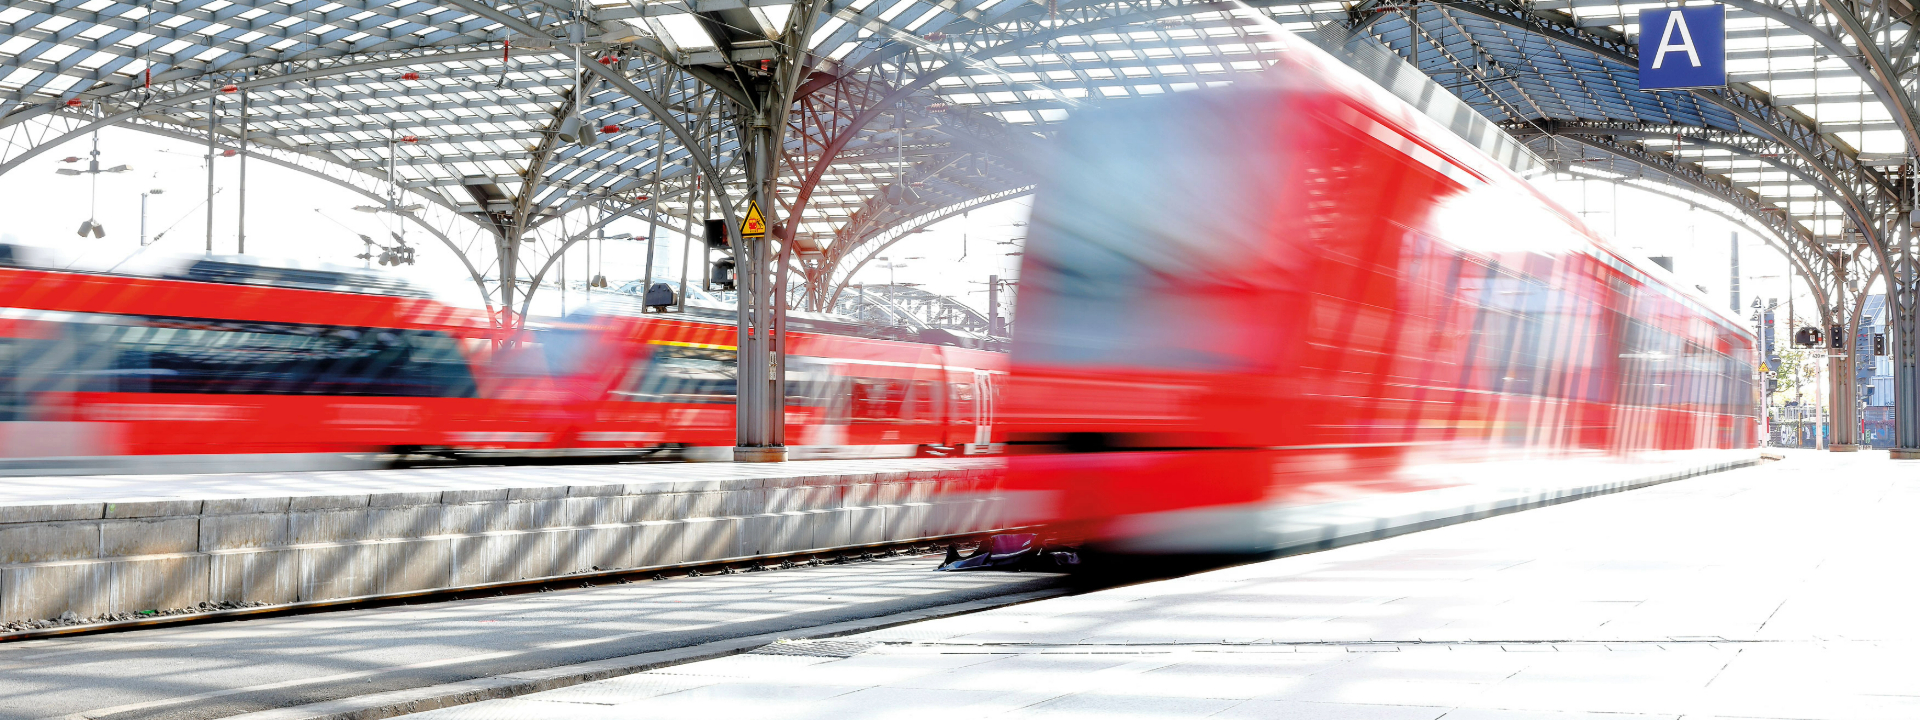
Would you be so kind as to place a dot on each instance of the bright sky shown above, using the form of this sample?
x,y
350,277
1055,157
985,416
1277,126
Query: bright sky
x,y
292,216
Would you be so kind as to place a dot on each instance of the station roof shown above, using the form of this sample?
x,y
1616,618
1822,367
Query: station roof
x,y
922,108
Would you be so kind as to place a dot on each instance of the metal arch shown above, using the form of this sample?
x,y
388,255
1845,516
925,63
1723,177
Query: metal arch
x,y
900,231
618,80
967,57
906,304
1891,94
1750,204
1661,183
1841,167
1871,64
1737,143
1699,180
583,235
437,234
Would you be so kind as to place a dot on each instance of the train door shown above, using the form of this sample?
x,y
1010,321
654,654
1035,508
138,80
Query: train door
x,y
983,407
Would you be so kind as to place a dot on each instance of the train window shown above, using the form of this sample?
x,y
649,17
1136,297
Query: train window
x,y
962,396
171,355
875,399
922,400
564,349
810,382
684,375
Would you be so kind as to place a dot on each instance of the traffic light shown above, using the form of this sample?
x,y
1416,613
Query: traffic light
x,y
1837,339
1879,343
721,275
1807,337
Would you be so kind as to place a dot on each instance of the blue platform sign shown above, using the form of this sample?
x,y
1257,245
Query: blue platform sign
x,y
1683,47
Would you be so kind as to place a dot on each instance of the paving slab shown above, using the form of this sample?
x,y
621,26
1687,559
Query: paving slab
x,y
1783,591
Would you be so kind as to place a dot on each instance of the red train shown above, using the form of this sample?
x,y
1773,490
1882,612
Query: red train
x,y
1301,309
222,365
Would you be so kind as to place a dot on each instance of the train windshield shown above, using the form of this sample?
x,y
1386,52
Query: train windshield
x,y
1150,230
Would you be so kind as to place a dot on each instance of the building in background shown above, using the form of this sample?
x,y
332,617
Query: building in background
x,y
1874,375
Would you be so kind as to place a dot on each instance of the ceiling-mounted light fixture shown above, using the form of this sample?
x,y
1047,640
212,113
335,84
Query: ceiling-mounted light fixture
x,y
570,129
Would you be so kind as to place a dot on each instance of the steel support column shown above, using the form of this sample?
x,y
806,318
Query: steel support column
x,y
1903,299
1843,407
760,428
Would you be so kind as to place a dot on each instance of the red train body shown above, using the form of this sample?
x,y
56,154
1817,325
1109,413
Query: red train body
x,y
1242,310
192,372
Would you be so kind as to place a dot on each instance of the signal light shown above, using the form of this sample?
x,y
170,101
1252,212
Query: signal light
x,y
609,129
230,88
229,152
73,102
1880,343
1807,337
409,138
606,60
1837,340
410,76
723,274
717,235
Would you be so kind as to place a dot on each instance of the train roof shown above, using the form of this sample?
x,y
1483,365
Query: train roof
x,y
231,270
1385,79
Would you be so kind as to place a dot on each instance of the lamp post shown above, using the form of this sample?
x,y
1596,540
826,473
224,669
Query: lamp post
x,y
143,213
91,225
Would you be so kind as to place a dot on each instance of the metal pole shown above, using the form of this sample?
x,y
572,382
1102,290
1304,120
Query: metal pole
x,y
1819,409
213,123
653,210
1839,425
686,244
1733,281
993,305
1762,371
143,219
243,174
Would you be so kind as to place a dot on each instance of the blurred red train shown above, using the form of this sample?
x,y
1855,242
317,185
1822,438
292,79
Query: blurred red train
x,y
226,366
1302,309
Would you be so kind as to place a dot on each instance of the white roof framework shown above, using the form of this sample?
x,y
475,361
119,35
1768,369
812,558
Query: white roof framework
x,y
910,110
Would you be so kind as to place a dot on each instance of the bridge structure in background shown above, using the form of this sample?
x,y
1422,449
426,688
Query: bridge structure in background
x,y
520,129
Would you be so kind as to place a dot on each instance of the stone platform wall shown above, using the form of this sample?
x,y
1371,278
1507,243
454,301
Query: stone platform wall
x,y
100,558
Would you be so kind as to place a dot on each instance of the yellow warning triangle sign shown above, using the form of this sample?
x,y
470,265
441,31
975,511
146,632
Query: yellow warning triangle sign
x,y
755,225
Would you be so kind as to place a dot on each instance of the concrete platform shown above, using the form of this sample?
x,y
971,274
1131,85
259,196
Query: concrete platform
x,y
104,545
206,671
1779,591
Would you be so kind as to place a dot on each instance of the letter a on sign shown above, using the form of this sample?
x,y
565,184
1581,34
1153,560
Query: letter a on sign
x,y
1683,47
